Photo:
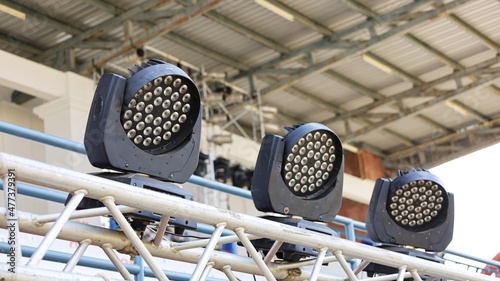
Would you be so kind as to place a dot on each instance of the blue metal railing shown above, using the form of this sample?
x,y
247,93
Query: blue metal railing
x,y
350,224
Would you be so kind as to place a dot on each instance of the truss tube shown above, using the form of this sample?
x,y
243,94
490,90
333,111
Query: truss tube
x,y
202,263
134,239
240,231
203,243
103,211
401,274
274,249
77,255
318,264
230,275
304,263
69,181
345,266
361,266
206,271
116,262
415,275
161,230
56,227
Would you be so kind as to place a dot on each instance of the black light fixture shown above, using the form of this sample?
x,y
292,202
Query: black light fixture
x,y
414,210
241,176
149,123
222,169
300,174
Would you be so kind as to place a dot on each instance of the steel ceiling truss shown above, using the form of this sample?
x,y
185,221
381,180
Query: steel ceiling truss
x,y
445,148
200,252
398,22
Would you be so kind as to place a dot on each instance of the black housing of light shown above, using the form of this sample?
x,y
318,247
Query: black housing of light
x,y
241,176
300,174
413,209
375,269
149,123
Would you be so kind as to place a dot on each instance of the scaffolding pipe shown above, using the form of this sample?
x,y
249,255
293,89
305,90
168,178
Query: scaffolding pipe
x,y
207,253
116,262
56,227
77,255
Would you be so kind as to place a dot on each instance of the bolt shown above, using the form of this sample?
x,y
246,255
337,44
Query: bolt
x,y
286,210
126,165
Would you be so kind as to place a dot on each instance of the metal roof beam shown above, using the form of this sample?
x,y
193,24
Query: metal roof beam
x,y
469,110
494,89
17,44
437,54
199,48
97,44
155,15
239,65
50,21
417,91
485,134
227,22
331,41
303,19
360,8
160,28
434,124
105,6
398,137
114,22
322,66
221,19
353,84
447,95
490,43
405,75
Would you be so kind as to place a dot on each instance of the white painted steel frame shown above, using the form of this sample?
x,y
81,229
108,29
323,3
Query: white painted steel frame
x,y
70,181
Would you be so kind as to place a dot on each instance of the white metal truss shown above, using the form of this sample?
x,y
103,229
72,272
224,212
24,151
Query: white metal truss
x,y
201,252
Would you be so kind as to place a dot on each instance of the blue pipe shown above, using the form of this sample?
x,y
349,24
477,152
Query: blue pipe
x,y
41,193
471,257
220,186
41,137
61,257
139,276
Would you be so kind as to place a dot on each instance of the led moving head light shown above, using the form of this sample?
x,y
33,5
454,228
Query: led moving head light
x,y
413,209
149,123
300,174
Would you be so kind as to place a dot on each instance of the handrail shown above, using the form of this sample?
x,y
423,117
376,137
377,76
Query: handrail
x,y
79,148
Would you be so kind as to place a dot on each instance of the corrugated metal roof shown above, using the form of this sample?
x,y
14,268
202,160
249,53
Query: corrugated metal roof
x,y
225,46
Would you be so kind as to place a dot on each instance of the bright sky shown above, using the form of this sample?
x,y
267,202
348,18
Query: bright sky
x,y
474,181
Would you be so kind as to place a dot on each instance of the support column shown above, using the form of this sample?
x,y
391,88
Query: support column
x,y
66,117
